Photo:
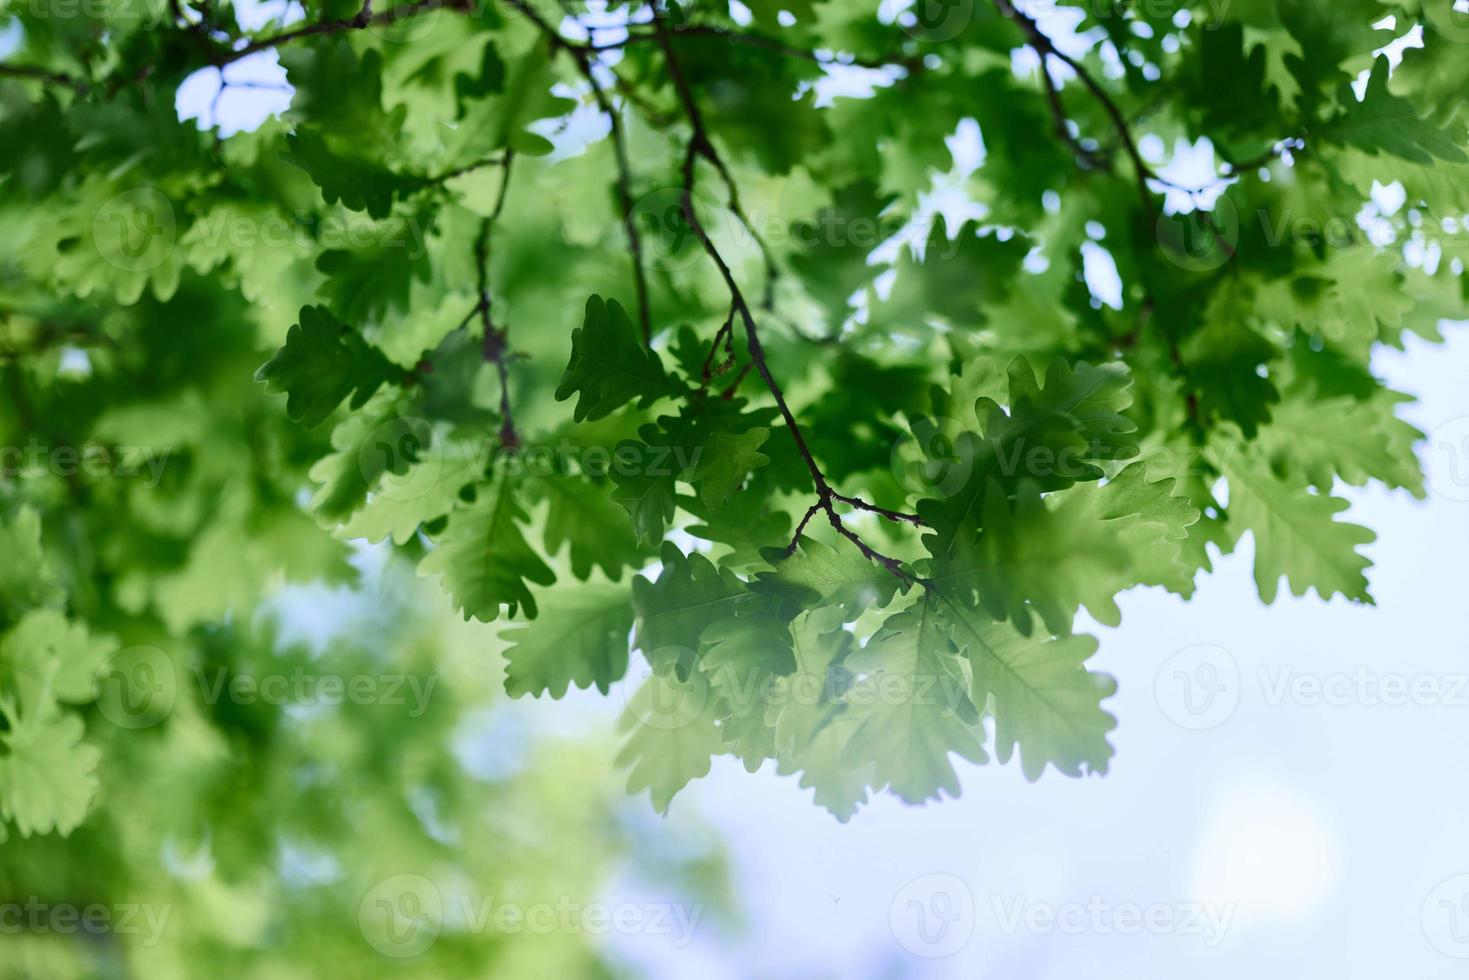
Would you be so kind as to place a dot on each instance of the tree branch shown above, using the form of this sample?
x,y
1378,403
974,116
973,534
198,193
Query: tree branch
x,y
496,340
495,161
364,18
39,74
1046,49
725,333
911,63
701,146
1143,173
581,55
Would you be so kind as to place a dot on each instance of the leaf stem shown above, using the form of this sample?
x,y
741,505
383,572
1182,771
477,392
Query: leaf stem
x,y
581,55
496,339
910,63
700,146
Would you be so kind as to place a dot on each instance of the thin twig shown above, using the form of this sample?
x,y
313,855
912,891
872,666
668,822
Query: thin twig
x,y
1063,129
734,386
701,146
496,339
364,18
495,161
1045,48
37,73
725,333
772,272
891,515
1143,173
911,63
582,55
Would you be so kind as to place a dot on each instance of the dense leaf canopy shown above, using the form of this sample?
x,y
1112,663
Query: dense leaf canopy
x,y
834,362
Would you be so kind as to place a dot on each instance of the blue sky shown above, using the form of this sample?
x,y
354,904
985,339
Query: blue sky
x,y
1315,827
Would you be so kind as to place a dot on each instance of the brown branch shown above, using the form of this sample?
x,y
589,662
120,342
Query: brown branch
x,y
1045,48
1233,170
582,55
496,339
364,18
624,196
1142,172
1063,129
910,63
891,515
701,146
734,386
725,333
39,74
495,161
772,272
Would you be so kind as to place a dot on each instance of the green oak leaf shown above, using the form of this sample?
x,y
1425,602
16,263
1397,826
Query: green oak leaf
x,y
1296,532
27,580
45,656
484,559
401,504
1054,435
913,712
381,441
47,779
356,182
1044,700
689,594
1385,123
742,656
671,736
725,459
1055,555
323,361
584,515
841,577
609,365
585,644
812,724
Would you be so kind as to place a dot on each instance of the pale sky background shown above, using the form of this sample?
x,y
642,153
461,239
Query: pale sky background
x,y
1321,829
1288,840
